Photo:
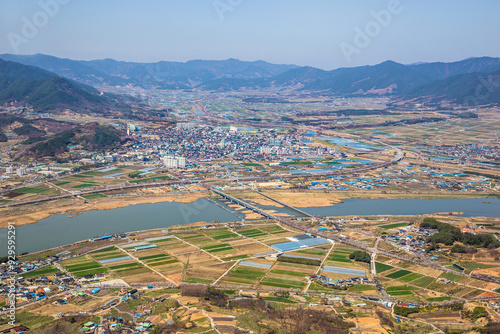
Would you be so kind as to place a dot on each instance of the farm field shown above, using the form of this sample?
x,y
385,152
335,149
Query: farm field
x,y
244,275
47,271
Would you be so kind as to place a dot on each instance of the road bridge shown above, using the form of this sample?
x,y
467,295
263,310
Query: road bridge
x,y
244,204
285,205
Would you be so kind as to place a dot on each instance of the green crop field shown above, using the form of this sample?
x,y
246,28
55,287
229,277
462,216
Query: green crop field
x,y
101,270
92,173
452,277
190,236
131,271
288,272
163,177
245,275
410,277
398,274
237,257
104,250
47,271
158,256
475,265
207,248
133,265
279,300
252,233
218,235
162,263
423,281
61,183
81,264
362,287
164,241
400,290
282,283
394,225
188,279
272,229
79,267
167,239
28,190
438,299
84,185
218,250
107,256
293,163
340,255
200,241
381,267
94,196
311,252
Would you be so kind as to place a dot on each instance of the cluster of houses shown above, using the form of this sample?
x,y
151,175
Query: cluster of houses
x,y
339,283
412,238
19,267
36,289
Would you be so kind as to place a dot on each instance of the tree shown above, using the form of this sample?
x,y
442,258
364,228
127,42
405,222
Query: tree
x,y
360,256
457,248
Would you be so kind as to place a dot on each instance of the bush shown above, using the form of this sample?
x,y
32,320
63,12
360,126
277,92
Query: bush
x,y
458,249
360,256
404,312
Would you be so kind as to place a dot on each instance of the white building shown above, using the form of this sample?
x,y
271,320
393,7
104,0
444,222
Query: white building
x,y
170,162
133,127
9,170
181,161
20,171
265,150
174,162
186,125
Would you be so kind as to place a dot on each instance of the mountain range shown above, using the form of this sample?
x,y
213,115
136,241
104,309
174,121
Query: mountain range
x,y
163,74
471,81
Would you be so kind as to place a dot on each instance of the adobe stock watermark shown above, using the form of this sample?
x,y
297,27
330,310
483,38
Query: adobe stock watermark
x,y
224,6
483,91
31,26
190,211
372,29
154,76
11,280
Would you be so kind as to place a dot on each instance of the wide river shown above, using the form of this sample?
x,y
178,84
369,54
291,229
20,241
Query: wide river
x,y
59,230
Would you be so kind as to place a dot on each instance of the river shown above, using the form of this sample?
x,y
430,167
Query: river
x,y
59,230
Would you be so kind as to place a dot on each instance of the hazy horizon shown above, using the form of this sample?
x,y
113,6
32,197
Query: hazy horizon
x,y
246,60
322,33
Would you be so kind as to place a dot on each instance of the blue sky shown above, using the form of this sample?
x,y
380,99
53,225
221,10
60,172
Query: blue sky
x,y
320,33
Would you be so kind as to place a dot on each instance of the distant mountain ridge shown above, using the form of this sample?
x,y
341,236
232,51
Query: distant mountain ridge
x,y
163,74
423,81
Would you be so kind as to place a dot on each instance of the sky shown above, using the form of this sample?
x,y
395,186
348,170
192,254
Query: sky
x,y
327,34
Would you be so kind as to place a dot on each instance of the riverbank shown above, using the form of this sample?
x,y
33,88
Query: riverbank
x,y
323,198
31,214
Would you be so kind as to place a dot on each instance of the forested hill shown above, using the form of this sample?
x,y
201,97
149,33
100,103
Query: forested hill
x,y
22,85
